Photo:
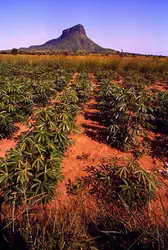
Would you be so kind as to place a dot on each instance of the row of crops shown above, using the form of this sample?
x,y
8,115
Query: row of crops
x,y
33,168
129,110
22,91
134,119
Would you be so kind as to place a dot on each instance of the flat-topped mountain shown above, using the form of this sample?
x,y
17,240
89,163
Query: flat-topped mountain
x,y
72,40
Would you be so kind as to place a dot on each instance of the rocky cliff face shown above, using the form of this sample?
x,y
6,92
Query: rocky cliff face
x,y
77,28
72,40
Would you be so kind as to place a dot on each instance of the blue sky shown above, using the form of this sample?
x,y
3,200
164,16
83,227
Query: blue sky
x,y
132,25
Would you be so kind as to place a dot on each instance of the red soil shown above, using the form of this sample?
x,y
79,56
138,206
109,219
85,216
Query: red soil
x,y
96,153
7,144
160,86
74,77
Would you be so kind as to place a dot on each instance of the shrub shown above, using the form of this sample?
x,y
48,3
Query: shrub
x,y
125,113
7,127
14,51
121,182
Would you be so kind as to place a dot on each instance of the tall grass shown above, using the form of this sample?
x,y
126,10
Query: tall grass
x,y
78,224
92,62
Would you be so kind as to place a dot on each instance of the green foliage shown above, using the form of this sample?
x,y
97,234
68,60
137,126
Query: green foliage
x,y
41,94
60,83
83,87
68,101
121,183
7,127
33,168
159,103
35,86
125,113
109,74
62,77
12,108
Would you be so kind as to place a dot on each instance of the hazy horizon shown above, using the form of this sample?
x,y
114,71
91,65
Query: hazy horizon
x,y
133,26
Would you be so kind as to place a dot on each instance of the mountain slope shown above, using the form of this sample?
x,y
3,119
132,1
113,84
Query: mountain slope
x,y
72,40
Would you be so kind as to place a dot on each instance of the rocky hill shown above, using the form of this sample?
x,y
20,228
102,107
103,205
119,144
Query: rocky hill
x,y
72,40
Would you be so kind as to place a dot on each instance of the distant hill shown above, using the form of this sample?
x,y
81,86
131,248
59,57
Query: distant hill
x,y
72,40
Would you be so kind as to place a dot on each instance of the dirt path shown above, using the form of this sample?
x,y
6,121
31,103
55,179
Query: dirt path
x,y
86,151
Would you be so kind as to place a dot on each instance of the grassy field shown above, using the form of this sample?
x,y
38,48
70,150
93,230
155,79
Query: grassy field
x,y
112,62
